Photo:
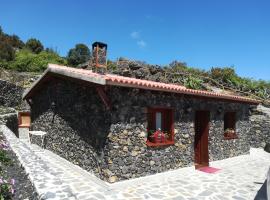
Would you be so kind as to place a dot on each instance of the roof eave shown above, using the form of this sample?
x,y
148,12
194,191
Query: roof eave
x,y
186,92
62,72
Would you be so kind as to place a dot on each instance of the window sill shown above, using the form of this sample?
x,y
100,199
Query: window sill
x,y
231,137
24,126
153,144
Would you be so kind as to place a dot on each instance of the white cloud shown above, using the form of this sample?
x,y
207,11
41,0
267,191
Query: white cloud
x,y
141,43
135,35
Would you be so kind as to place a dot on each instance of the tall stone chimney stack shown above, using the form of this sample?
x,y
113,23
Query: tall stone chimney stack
x,y
99,57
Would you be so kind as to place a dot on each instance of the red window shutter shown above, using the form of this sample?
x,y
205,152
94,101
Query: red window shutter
x,y
151,118
166,118
229,120
233,121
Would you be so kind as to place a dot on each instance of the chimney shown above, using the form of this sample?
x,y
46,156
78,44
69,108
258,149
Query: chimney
x,y
99,57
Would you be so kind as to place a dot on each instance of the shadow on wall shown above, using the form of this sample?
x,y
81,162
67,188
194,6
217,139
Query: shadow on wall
x,y
72,110
12,124
262,193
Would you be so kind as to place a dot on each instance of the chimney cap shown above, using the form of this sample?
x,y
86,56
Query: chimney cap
x,y
100,44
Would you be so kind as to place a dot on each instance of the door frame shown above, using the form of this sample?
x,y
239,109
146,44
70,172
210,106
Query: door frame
x,y
201,140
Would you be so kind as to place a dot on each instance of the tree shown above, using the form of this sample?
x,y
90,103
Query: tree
x,y
15,41
34,45
78,55
12,40
7,53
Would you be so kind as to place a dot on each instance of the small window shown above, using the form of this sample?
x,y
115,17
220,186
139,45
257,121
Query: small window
x,y
229,125
160,127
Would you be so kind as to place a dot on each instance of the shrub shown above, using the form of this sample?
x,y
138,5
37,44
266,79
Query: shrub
x,y
78,55
25,60
7,53
223,74
193,83
6,189
34,45
111,65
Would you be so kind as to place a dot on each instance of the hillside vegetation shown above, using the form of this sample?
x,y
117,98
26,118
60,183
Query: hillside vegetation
x,y
31,56
218,79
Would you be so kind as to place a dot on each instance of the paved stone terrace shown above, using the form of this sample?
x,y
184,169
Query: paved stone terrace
x,y
55,178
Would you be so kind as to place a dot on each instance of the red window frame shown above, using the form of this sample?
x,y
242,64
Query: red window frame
x,y
167,124
230,123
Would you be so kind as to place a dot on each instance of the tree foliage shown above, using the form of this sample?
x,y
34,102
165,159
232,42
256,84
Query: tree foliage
x,y
8,45
78,55
16,55
6,52
34,45
27,61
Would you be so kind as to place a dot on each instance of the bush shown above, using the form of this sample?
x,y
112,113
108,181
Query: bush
x,y
78,55
223,74
34,45
25,60
7,53
6,190
193,83
111,65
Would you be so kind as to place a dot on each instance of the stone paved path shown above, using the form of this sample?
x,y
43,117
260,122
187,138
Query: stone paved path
x,y
54,177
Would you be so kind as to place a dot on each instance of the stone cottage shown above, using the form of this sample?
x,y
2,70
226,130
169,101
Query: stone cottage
x,y
121,128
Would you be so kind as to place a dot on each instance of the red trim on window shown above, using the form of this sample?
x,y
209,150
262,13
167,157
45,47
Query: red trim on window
x,y
167,117
231,138
24,126
152,144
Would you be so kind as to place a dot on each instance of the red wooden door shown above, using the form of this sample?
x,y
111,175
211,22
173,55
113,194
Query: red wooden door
x,y
201,138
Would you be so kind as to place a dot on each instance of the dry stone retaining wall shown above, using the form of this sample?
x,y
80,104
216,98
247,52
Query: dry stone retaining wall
x,y
8,117
260,129
10,94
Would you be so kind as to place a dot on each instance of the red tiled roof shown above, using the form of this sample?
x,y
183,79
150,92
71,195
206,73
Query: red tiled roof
x,y
116,80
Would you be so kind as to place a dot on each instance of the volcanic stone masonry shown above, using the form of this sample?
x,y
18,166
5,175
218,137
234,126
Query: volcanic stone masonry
x,y
10,94
8,117
260,132
112,144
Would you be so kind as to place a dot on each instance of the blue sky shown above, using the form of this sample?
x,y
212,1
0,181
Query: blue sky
x,y
202,33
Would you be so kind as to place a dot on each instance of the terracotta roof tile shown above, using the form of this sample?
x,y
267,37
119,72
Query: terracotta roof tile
x,y
150,85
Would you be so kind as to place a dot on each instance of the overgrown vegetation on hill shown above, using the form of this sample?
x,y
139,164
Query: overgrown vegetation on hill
x,y
27,57
33,57
179,73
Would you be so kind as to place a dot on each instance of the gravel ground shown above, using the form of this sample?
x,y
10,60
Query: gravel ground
x,y
23,186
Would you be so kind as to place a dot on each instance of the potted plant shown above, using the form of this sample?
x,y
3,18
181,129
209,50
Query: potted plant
x,y
157,137
229,133
150,135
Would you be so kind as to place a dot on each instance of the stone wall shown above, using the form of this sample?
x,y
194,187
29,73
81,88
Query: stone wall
x,y
112,144
76,126
8,117
10,94
260,132
126,153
